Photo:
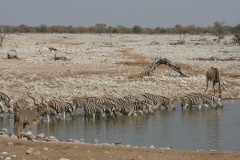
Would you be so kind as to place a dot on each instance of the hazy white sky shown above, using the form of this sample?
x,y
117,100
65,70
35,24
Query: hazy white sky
x,y
146,13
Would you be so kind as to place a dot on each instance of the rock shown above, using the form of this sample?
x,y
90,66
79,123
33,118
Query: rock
x,y
12,136
45,149
63,159
96,140
30,136
28,151
10,143
212,150
14,156
76,141
70,140
4,152
51,138
117,143
41,135
37,152
152,147
81,140
8,158
5,130
166,148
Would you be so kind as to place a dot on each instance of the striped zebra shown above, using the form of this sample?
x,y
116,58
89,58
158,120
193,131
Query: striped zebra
x,y
90,108
141,99
129,107
196,99
22,104
62,107
4,99
215,99
106,105
79,102
158,101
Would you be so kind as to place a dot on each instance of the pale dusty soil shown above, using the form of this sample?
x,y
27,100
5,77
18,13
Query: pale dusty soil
x,y
102,65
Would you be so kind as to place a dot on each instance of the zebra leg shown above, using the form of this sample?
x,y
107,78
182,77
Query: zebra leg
x,y
64,115
93,116
48,118
199,107
185,106
129,114
206,106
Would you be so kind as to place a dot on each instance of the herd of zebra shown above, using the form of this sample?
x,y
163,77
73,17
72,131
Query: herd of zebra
x,y
103,107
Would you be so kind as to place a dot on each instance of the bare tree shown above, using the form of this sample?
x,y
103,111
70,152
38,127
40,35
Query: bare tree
x,y
218,30
2,35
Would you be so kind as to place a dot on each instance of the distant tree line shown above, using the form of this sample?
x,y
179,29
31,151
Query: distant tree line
x,y
217,29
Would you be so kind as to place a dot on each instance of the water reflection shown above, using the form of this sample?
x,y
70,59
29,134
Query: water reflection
x,y
181,129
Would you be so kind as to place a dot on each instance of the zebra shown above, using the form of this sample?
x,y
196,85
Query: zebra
x,y
129,107
196,99
22,104
213,76
5,99
140,99
62,107
79,102
106,105
90,108
214,99
158,101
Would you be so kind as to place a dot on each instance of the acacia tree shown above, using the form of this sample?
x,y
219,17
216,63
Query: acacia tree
x,y
218,30
236,31
137,29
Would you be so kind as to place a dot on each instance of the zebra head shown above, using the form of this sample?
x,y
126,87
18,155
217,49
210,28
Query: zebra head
x,y
210,102
71,110
100,113
149,108
169,102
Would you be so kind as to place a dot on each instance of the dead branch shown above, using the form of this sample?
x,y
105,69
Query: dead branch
x,y
158,61
179,42
217,59
52,49
60,58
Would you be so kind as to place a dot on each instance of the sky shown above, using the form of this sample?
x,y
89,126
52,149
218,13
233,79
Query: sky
x,y
145,13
